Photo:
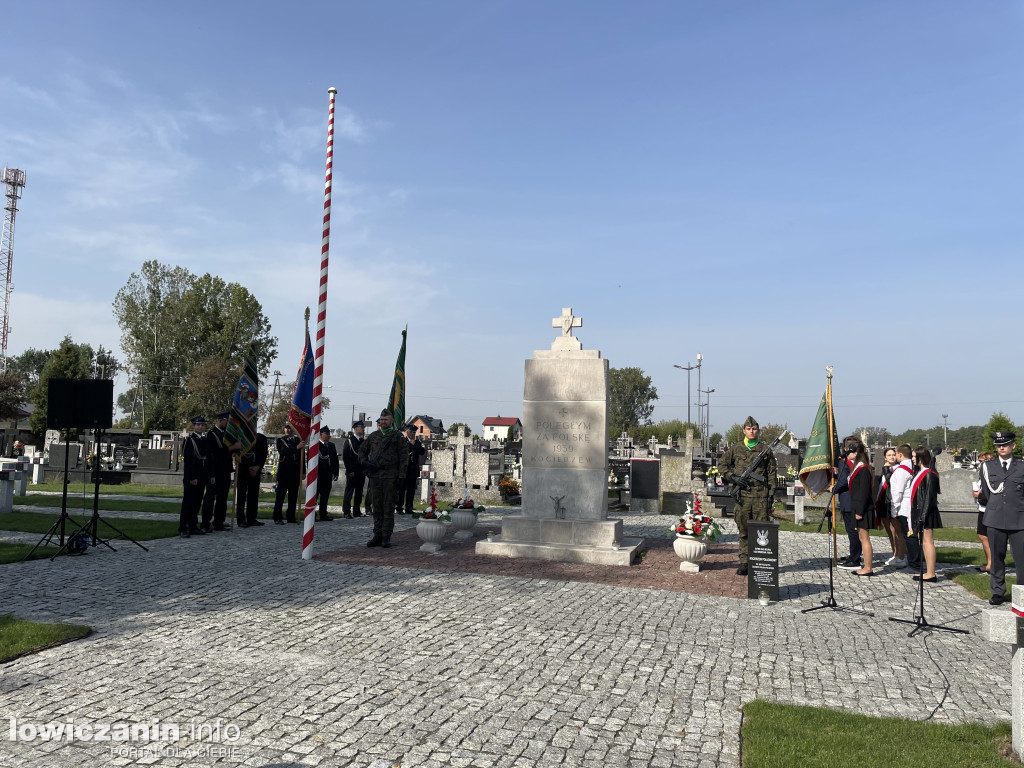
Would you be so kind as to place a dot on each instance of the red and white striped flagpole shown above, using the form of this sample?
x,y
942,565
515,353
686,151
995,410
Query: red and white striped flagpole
x,y
318,357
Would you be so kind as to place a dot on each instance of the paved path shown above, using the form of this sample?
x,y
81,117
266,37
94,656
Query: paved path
x,y
322,664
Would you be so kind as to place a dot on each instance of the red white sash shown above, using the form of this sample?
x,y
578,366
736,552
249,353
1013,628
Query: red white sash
x,y
854,472
917,481
881,489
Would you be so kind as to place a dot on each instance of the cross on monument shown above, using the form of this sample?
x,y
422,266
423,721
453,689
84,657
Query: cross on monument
x,y
566,322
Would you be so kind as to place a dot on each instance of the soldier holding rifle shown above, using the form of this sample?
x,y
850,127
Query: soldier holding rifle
x,y
750,466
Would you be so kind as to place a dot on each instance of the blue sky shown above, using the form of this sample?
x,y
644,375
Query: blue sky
x,y
778,186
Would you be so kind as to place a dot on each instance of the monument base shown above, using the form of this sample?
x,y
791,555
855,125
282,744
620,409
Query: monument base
x,y
564,553
598,542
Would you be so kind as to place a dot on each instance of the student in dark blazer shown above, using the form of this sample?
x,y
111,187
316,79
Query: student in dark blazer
x,y
328,469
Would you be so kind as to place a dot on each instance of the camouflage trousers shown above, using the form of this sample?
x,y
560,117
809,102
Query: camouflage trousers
x,y
383,494
748,508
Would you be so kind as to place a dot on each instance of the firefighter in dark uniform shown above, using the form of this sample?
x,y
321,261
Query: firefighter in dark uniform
x,y
755,496
407,492
198,473
354,477
289,467
328,469
385,458
215,502
250,472
1002,495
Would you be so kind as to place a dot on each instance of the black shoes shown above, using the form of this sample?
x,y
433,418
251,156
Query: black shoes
x,y
348,515
357,513
185,535
376,541
279,522
219,527
255,522
386,543
933,578
850,565
205,529
742,570
326,519
197,532
996,600
242,524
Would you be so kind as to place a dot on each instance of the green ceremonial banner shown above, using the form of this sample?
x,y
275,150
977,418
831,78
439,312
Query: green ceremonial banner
x,y
819,463
396,403
242,422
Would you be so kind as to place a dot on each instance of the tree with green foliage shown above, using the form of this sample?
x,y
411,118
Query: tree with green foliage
x,y
68,361
715,439
768,432
662,431
631,397
1000,421
172,320
458,428
873,435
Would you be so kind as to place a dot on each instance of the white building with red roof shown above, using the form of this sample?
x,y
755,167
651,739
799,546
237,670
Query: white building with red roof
x,y
496,428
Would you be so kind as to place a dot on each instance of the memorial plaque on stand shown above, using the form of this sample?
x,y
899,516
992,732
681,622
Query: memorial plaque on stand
x,y
763,557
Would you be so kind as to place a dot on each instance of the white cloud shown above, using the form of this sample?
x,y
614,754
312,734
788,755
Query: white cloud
x,y
42,321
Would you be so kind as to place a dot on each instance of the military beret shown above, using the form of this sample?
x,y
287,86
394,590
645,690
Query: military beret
x,y
751,422
198,420
1003,437
385,412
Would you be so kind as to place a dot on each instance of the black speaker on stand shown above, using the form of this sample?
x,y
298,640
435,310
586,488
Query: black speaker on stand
x,y
80,404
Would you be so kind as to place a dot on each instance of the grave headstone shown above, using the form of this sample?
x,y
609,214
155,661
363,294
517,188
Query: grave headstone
x,y
154,458
644,485
565,460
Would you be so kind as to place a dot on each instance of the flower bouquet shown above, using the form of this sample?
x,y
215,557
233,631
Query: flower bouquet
x,y
696,525
468,504
432,512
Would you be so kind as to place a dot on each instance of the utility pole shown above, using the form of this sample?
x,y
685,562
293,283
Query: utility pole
x,y
705,439
14,178
945,440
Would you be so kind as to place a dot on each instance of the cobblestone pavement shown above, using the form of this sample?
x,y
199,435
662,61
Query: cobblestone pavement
x,y
327,664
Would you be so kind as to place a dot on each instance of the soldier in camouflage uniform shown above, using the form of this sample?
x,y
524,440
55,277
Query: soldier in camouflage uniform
x,y
384,456
755,496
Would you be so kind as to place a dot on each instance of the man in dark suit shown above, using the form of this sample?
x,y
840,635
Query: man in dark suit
x,y
407,492
215,502
289,466
250,472
1002,495
198,473
354,477
328,469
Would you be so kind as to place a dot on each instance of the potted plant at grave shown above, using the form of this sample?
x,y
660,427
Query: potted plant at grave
x,y
692,533
430,527
508,487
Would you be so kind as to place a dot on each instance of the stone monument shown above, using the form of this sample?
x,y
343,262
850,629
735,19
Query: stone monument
x,y
565,460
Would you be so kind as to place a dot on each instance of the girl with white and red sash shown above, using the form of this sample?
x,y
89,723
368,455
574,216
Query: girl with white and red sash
x,y
861,498
924,509
884,512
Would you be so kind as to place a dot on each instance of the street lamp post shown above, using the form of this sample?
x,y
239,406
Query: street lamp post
x,y
689,368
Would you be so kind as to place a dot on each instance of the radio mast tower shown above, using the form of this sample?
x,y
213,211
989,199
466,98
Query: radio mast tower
x,y
15,181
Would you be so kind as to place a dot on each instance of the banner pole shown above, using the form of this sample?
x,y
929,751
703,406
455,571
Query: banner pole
x,y
318,360
832,463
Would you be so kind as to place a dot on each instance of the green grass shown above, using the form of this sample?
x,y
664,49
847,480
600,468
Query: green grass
x,y
15,553
786,736
940,534
978,584
961,556
34,522
106,503
128,489
19,637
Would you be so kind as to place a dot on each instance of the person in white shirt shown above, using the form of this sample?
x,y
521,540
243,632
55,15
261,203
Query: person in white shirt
x,y
899,485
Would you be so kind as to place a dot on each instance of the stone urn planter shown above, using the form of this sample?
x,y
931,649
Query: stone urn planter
x,y
431,532
691,551
463,520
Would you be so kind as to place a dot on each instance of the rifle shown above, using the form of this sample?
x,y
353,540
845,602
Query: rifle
x,y
742,482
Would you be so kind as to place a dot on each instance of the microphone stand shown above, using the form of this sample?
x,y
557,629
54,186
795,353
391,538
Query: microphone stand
x,y
920,623
831,601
